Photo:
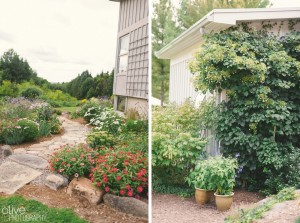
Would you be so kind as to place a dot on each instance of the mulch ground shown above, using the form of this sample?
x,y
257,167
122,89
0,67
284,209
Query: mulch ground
x,y
171,208
60,199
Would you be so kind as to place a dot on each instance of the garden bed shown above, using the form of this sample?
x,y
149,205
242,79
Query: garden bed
x,y
172,208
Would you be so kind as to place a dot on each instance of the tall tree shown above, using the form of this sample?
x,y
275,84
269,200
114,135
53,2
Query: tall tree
x,y
164,29
14,68
190,11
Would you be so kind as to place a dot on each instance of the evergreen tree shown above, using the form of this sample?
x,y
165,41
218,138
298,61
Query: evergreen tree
x,y
191,11
14,68
164,29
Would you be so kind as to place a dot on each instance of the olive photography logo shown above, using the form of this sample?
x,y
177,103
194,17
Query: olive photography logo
x,y
18,214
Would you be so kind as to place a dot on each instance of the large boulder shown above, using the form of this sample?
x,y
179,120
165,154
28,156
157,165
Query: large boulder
x,y
127,205
84,188
55,181
5,151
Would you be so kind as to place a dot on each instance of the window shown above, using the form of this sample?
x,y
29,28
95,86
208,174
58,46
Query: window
x,y
123,54
121,100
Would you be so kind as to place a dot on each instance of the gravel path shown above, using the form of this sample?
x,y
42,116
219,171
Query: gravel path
x,y
168,208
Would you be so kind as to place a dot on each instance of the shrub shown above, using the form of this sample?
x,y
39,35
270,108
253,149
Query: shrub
x,y
135,126
176,145
131,141
55,125
98,139
18,131
87,106
108,120
31,93
92,113
174,157
71,160
121,173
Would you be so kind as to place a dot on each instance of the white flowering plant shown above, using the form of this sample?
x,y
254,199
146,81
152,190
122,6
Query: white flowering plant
x,y
107,120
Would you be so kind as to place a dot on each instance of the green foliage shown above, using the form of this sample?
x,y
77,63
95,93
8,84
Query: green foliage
x,y
133,141
124,173
23,120
22,130
253,214
201,176
36,211
14,68
58,98
176,145
180,190
8,89
31,93
135,126
164,29
98,139
71,160
260,74
191,11
86,86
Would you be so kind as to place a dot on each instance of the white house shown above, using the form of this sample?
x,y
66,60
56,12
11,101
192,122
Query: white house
x,y
181,50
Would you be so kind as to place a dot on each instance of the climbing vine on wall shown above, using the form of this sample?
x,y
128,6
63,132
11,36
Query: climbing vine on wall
x,y
261,121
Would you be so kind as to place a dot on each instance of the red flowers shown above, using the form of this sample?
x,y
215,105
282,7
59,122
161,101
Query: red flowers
x,y
98,184
73,159
129,193
121,173
140,189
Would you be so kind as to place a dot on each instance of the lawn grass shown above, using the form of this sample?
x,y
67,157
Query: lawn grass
x,y
17,209
67,109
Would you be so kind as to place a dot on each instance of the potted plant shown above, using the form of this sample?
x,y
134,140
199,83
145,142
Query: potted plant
x,y
200,177
223,179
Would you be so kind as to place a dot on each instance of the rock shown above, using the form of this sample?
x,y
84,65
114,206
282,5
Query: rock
x,y
20,150
29,160
55,181
127,205
84,188
5,151
14,176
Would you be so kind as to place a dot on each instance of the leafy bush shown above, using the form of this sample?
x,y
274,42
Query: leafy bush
x,y
261,121
176,145
18,131
31,93
132,141
108,120
55,125
92,113
121,173
86,106
71,160
201,176
135,126
98,139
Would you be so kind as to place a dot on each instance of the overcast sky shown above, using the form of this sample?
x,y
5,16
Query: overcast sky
x,y
61,38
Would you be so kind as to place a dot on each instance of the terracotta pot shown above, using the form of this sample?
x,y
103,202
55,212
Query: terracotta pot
x,y
203,196
224,202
